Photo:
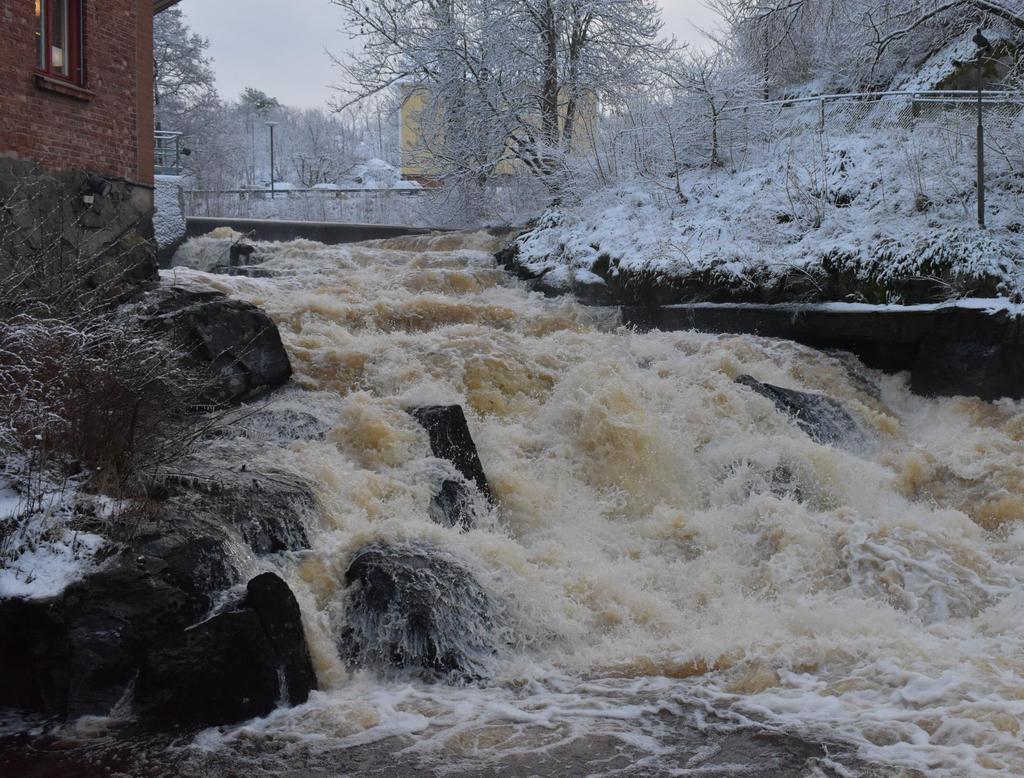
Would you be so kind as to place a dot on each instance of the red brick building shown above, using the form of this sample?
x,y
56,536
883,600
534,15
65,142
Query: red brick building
x,y
76,85
76,122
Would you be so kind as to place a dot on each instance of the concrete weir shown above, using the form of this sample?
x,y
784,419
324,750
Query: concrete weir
x,y
280,230
969,347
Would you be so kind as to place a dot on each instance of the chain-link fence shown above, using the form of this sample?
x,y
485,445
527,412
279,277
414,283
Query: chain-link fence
x,y
747,134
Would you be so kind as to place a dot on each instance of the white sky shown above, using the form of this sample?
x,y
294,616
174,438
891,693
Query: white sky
x,y
279,45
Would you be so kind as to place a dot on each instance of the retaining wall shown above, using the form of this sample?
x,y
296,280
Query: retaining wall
x,y
967,348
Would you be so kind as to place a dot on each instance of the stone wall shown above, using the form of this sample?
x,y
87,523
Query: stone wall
x,y
330,233
75,227
948,350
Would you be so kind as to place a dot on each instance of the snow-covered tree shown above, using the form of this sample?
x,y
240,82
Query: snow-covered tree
x,y
183,79
833,45
501,79
704,85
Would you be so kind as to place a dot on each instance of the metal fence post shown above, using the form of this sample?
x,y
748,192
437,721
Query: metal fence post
x,y
981,149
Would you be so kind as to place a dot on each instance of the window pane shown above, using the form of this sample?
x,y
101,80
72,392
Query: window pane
x,y
40,36
59,36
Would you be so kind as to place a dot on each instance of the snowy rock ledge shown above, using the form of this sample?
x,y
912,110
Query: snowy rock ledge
x,y
733,241
171,627
970,347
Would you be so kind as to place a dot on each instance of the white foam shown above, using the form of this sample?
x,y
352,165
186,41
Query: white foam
x,y
655,519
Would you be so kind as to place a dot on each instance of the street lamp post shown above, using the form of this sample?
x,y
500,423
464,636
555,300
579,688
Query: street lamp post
x,y
271,125
983,46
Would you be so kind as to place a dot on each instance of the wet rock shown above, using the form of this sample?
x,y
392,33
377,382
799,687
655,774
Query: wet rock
x,y
218,672
24,633
233,666
236,343
411,605
267,508
83,649
240,254
272,424
450,439
822,418
81,652
278,611
453,504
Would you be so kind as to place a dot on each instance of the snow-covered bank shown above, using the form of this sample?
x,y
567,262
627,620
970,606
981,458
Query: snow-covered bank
x,y
874,219
42,554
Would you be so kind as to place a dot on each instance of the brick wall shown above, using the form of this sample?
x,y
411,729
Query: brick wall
x,y
106,128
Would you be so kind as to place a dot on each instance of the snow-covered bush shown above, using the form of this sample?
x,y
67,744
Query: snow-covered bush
x,y
88,394
96,394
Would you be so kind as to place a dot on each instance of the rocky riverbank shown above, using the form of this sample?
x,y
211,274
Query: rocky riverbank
x,y
972,347
176,624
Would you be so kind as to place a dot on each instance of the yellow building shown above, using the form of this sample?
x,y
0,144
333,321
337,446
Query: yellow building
x,y
417,161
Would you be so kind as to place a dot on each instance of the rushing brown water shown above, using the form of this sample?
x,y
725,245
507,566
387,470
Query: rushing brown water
x,y
665,541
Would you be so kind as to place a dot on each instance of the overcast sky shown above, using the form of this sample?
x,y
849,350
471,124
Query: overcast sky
x,y
279,45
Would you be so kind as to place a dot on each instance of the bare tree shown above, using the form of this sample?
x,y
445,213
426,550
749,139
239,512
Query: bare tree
x,y
501,80
713,81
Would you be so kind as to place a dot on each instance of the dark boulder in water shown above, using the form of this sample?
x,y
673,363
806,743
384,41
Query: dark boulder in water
x,y
411,605
232,667
240,253
78,654
234,342
453,505
822,418
218,672
272,600
450,439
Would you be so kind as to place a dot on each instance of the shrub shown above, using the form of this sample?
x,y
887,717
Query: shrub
x,y
97,394
83,387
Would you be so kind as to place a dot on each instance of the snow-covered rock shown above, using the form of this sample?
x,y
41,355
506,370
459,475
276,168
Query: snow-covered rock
x,y
168,213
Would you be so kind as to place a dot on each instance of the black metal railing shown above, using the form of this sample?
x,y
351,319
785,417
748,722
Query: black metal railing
x,y
168,152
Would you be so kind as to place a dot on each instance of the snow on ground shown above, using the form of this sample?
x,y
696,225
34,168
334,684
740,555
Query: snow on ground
x,y
42,556
877,208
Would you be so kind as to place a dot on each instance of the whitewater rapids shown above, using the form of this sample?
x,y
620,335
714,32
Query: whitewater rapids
x,y
664,539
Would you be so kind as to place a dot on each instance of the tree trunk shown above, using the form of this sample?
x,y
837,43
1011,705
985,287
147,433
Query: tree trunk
x,y
715,161
549,90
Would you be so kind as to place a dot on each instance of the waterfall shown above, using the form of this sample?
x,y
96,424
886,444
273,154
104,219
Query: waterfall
x,y
665,544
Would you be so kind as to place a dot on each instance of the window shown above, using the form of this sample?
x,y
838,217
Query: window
x,y
59,39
